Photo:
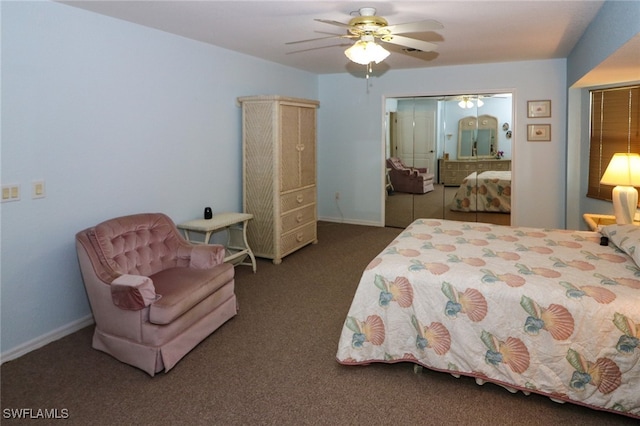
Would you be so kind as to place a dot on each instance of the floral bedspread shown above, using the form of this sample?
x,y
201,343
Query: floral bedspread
x,y
485,192
546,311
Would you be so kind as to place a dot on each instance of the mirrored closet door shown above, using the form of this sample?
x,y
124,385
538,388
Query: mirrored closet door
x,y
448,157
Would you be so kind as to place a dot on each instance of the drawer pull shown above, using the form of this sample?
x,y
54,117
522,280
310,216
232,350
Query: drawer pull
x,y
299,198
299,217
299,236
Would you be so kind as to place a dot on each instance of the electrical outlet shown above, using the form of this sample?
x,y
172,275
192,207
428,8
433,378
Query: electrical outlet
x,y
337,195
37,189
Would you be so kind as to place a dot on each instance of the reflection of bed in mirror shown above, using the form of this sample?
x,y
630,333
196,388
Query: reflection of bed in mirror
x,y
488,191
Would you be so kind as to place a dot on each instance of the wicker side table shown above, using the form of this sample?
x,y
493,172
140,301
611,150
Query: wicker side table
x,y
237,247
596,221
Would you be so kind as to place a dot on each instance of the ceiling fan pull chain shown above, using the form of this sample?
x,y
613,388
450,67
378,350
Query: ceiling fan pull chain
x,y
366,81
369,67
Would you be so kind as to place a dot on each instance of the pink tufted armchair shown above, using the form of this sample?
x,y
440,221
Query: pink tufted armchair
x,y
413,180
154,296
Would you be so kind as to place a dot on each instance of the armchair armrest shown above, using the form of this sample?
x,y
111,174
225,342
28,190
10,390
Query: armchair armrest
x,y
206,256
133,292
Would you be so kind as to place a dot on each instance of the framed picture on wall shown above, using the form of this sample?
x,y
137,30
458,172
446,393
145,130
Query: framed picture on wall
x,y
538,109
539,132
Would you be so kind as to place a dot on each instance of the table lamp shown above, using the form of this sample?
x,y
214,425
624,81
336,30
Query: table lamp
x,y
623,171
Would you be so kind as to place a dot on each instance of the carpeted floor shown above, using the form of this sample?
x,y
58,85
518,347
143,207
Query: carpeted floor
x,y
274,364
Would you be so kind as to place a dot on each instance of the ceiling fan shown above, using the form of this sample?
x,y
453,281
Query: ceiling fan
x,y
368,28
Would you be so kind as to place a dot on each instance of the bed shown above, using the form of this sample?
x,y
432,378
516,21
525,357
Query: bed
x,y
488,191
552,312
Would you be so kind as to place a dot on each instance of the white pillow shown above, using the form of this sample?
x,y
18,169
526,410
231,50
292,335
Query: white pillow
x,y
626,238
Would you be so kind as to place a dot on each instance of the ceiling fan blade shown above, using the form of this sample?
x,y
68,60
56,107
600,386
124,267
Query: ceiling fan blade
x,y
330,22
412,43
415,27
318,48
318,38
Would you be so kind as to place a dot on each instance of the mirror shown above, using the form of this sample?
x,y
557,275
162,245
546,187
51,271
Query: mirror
x,y
477,137
425,135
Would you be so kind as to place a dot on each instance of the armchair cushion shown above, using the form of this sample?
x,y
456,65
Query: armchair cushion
x,y
195,285
133,292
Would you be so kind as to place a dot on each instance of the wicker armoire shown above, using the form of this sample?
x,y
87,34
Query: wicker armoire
x,y
279,173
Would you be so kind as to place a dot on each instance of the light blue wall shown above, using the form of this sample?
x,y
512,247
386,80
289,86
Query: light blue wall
x,y
117,119
616,24
351,148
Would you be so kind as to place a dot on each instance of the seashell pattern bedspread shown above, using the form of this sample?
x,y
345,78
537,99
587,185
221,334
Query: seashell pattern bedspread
x,y
488,191
546,311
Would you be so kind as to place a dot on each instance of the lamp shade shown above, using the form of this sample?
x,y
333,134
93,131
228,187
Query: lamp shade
x,y
623,170
364,52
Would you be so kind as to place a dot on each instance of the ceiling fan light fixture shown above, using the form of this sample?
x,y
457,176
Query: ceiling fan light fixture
x,y
364,52
465,103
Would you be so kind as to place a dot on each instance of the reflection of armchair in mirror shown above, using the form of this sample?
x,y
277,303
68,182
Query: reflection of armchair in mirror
x,y
477,137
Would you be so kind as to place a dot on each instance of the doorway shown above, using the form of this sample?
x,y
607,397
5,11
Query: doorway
x,y
413,137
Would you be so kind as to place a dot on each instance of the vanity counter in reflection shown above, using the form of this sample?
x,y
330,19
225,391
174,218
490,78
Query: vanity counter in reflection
x,y
453,172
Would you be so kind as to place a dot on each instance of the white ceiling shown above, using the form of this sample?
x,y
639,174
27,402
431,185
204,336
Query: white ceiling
x,y
475,31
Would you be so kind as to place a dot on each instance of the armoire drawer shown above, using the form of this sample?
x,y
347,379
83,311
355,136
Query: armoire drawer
x,y
297,199
298,238
446,165
501,165
455,178
451,175
494,165
299,217
482,166
468,166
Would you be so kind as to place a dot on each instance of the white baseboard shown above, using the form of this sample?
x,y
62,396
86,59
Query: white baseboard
x,y
350,222
45,339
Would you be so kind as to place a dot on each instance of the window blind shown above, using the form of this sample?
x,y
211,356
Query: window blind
x,y
615,127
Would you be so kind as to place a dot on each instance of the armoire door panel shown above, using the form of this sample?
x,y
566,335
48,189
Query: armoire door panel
x,y
307,151
290,154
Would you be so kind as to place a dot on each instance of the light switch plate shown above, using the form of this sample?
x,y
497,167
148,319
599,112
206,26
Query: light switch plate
x,y
10,192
